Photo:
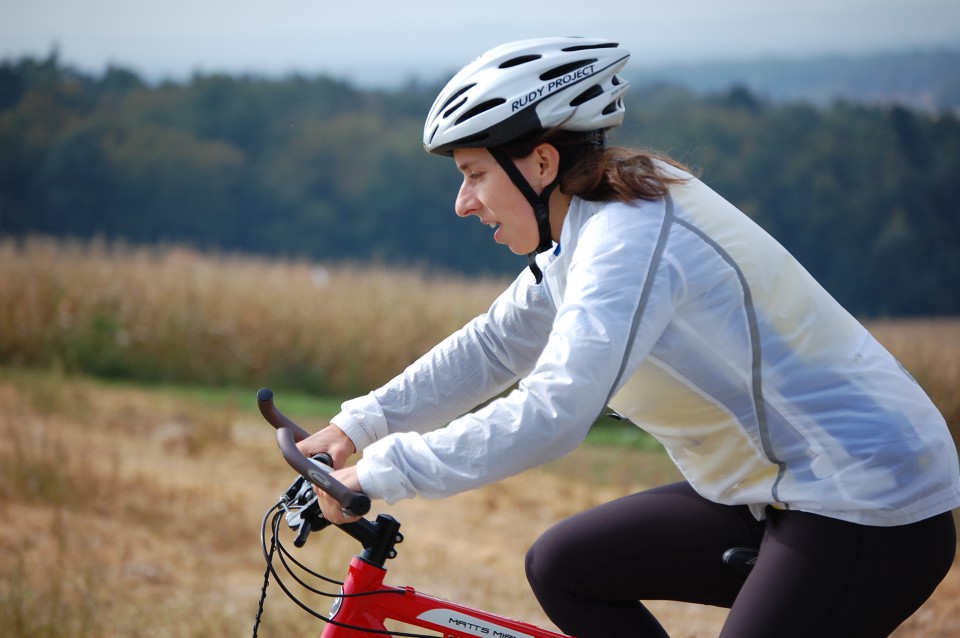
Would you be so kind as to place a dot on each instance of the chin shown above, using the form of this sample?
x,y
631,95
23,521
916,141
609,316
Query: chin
x,y
521,250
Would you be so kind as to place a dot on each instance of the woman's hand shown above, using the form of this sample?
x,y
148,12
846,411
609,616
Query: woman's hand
x,y
331,509
333,441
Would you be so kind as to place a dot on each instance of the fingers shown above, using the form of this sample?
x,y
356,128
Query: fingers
x,y
331,508
330,440
332,511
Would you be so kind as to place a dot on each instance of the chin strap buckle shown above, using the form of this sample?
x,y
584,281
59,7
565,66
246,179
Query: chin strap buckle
x,y
534,268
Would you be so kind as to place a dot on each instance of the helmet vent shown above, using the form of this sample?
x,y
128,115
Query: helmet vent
x,y
589,94
480,108
523,59
587,47
612,107
454,107
455,96
565,68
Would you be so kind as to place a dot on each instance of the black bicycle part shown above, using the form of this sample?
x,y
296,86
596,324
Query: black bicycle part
x,y
741,559
288,433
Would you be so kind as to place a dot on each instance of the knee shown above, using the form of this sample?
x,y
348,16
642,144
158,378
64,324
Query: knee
x,y
545,565
532,567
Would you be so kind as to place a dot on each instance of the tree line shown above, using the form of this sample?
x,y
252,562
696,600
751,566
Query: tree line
x,y
866,196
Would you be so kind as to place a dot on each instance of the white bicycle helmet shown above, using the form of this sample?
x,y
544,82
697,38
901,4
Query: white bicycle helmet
x,y
523,87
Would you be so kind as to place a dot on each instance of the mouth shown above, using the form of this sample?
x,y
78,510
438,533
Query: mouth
x,y
495,226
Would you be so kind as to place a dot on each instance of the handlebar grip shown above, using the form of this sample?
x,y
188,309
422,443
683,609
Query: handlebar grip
x,y
288,433
276,418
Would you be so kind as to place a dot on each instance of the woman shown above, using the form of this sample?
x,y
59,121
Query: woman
x,y
795,430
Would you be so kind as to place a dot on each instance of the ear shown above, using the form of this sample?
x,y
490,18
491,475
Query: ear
x,y
548,163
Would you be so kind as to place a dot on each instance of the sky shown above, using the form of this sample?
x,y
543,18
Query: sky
x,y
389,43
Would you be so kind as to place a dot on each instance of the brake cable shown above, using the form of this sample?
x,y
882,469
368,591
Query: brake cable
x,y
269,554
266,573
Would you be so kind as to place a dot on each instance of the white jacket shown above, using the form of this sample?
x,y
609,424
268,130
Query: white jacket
x,y
687,318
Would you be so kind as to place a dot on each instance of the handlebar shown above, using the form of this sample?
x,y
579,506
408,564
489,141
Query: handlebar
x,y
288,433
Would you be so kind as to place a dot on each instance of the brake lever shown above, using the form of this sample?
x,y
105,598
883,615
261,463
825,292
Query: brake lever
x,y
313,521
302,508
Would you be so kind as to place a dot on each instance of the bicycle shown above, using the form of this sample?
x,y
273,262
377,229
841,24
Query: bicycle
x,y
364,603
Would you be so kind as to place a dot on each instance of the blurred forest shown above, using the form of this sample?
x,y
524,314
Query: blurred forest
x,y
924,79
866,195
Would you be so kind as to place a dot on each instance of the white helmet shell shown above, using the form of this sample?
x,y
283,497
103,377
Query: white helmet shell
x,y
531,85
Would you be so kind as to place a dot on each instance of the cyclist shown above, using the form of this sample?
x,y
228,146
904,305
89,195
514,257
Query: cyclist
x,y
795,430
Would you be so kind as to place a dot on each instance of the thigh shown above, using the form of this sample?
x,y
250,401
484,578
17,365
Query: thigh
x,y
822,577
661,544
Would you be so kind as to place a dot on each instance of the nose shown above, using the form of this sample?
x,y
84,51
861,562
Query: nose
x,y
467,203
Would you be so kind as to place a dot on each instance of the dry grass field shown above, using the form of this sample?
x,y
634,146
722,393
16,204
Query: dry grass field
x,y
134,510
174,314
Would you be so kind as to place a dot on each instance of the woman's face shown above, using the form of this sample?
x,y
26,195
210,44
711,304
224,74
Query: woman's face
x,y
488,193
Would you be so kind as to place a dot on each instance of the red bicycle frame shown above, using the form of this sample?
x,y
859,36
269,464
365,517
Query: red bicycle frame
x,y
405,605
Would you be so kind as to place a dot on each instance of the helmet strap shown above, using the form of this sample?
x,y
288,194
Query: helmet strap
x,y
540,204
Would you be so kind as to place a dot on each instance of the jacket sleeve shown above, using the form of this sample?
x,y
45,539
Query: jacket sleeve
x,y
469,367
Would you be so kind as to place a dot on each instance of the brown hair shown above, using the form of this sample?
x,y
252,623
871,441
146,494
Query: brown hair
x,y
595,173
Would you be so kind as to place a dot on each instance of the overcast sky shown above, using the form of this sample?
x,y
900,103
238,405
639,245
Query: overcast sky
x,y
379,42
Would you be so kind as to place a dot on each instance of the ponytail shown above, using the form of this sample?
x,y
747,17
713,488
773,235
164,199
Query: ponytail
x,y
594,173
621,174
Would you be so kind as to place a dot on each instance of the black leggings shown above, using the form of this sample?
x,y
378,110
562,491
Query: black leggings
x,y
816,576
